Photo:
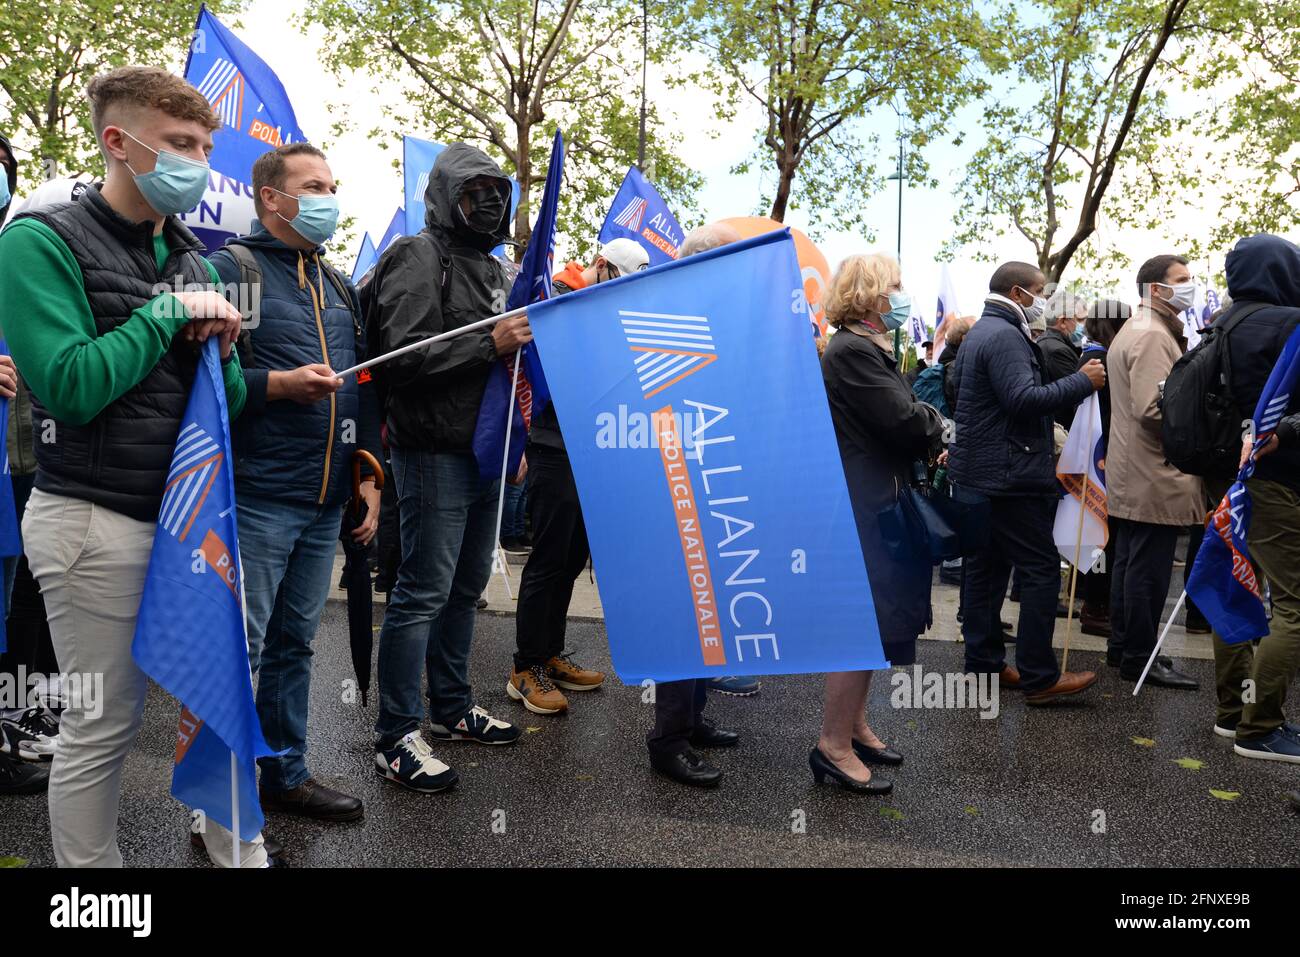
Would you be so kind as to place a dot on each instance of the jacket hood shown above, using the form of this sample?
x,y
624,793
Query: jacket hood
x,y
11,171
261,238
455,166
1264,268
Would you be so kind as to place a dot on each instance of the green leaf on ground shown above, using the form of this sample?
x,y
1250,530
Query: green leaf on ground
x,y
1225,795
911,725
532,730
583,777
972,811
1144,742
1191,764
893,813
13,862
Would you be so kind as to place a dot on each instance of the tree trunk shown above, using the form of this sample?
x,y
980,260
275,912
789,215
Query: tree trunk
x,y
787,167
523,173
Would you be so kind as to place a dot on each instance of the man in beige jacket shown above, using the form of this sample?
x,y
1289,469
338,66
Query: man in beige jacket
x,y
1150,501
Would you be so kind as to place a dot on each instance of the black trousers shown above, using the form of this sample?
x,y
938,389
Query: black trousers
x,y
679,709
1020,534
27,630
1144,564
559,555
390,532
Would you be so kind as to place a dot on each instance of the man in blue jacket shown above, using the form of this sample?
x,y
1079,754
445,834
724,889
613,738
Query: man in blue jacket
x,y
1002,448
293,451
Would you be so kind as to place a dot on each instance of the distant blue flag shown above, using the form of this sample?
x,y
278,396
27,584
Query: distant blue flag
x,y
692,441
11,542
366,259
533,284
393,232
189,635
1222,581
255,111
640,213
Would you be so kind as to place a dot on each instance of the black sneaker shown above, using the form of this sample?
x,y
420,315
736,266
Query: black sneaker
x,y
477,725
411,764
18,777
32,736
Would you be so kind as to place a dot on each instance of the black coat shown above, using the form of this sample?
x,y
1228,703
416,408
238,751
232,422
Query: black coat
x,y
1002,437
1095,351
1266,269
1060,359
882,429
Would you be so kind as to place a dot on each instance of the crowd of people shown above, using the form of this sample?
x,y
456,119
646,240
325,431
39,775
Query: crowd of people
x,y
100,376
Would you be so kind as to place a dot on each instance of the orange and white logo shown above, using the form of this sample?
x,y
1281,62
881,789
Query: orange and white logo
x,y
669,347
223,87
195,466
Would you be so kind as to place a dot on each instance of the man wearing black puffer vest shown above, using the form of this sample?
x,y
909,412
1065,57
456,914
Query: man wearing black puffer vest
x,y
293,453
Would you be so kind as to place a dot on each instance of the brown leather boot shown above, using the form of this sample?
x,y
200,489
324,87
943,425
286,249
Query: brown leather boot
x,y
1009,678
1094,620
1070,682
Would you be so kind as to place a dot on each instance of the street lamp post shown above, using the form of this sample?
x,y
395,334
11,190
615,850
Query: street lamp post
x,y
645,41
898,175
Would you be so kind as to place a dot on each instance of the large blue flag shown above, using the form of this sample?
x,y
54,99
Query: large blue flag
x,y
640,213
256,116
367,256
694,414
189,636
11,541
533,284
1222,581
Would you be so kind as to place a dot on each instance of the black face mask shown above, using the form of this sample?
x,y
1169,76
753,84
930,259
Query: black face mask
x,y
487,207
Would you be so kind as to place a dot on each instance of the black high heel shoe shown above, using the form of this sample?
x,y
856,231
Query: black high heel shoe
x,y
823,767
869,755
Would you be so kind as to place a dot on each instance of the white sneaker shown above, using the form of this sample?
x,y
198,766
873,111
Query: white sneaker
x,y
411,764
32,736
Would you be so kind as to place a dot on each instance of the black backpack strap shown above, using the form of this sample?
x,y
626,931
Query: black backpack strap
x,y
340,284
249,300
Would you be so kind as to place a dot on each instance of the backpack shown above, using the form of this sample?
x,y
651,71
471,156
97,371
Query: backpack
x,y
368,288
1201,425
928,387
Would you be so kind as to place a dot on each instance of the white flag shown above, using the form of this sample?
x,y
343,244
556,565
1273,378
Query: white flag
x,y
1080,533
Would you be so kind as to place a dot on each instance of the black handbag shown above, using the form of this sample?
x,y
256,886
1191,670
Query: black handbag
x,y
967,514
913,529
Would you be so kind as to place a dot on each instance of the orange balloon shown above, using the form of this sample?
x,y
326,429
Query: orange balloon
x,y
816,270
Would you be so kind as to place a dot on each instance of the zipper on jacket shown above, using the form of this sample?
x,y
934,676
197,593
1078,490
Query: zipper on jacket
x,y
318,306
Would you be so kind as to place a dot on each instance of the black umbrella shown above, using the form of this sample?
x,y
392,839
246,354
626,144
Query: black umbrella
x,y
356,575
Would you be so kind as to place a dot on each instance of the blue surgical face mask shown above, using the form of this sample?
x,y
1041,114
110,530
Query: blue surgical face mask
x,y
900,307
1077,336
176,184
5,195
318,216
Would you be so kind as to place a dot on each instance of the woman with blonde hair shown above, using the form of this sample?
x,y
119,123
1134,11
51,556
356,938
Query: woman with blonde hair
x,y
882,431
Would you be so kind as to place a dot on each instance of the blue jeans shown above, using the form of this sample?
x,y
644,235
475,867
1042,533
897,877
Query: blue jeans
x,y
516,509
287,550
448,517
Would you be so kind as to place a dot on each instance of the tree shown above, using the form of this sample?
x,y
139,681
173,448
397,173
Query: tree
x,y
50,52
1089,134
816,68
504,74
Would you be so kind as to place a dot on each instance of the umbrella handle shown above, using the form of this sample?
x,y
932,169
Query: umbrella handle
x,y
359,457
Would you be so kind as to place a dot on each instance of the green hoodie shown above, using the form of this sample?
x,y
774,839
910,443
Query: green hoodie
x,y
50,331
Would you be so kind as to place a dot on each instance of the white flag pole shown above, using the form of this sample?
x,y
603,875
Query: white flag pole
x,y
1182,599
234,811
1078,543
505,464
442,337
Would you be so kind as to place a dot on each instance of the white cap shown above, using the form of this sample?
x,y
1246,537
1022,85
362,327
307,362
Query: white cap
x,y
625,255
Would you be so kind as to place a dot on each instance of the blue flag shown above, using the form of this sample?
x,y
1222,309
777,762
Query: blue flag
x,y
533,284
393,232
640,213
366,259
1222,581
693,437
11,541
189,635
255,111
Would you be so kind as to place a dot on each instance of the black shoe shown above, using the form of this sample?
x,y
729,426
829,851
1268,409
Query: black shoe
x,y
869,755
22,777
385,586
823,767
1163,676
481,603
686,767
272,847
312,799
1114,660
707,736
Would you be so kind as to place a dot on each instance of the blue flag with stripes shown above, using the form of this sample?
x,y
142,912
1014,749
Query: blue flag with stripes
x,y
256,115
366,259
11,541
639,213
1223,582
533,284
189,635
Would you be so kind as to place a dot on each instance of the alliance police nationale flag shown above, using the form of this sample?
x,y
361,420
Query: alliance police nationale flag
x,y
533,284
11,542
696,422
189,635
639,213
1080,531
1222,581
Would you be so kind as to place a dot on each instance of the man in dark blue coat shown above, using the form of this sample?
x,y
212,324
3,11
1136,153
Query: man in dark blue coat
x,y
293,451
1002,448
